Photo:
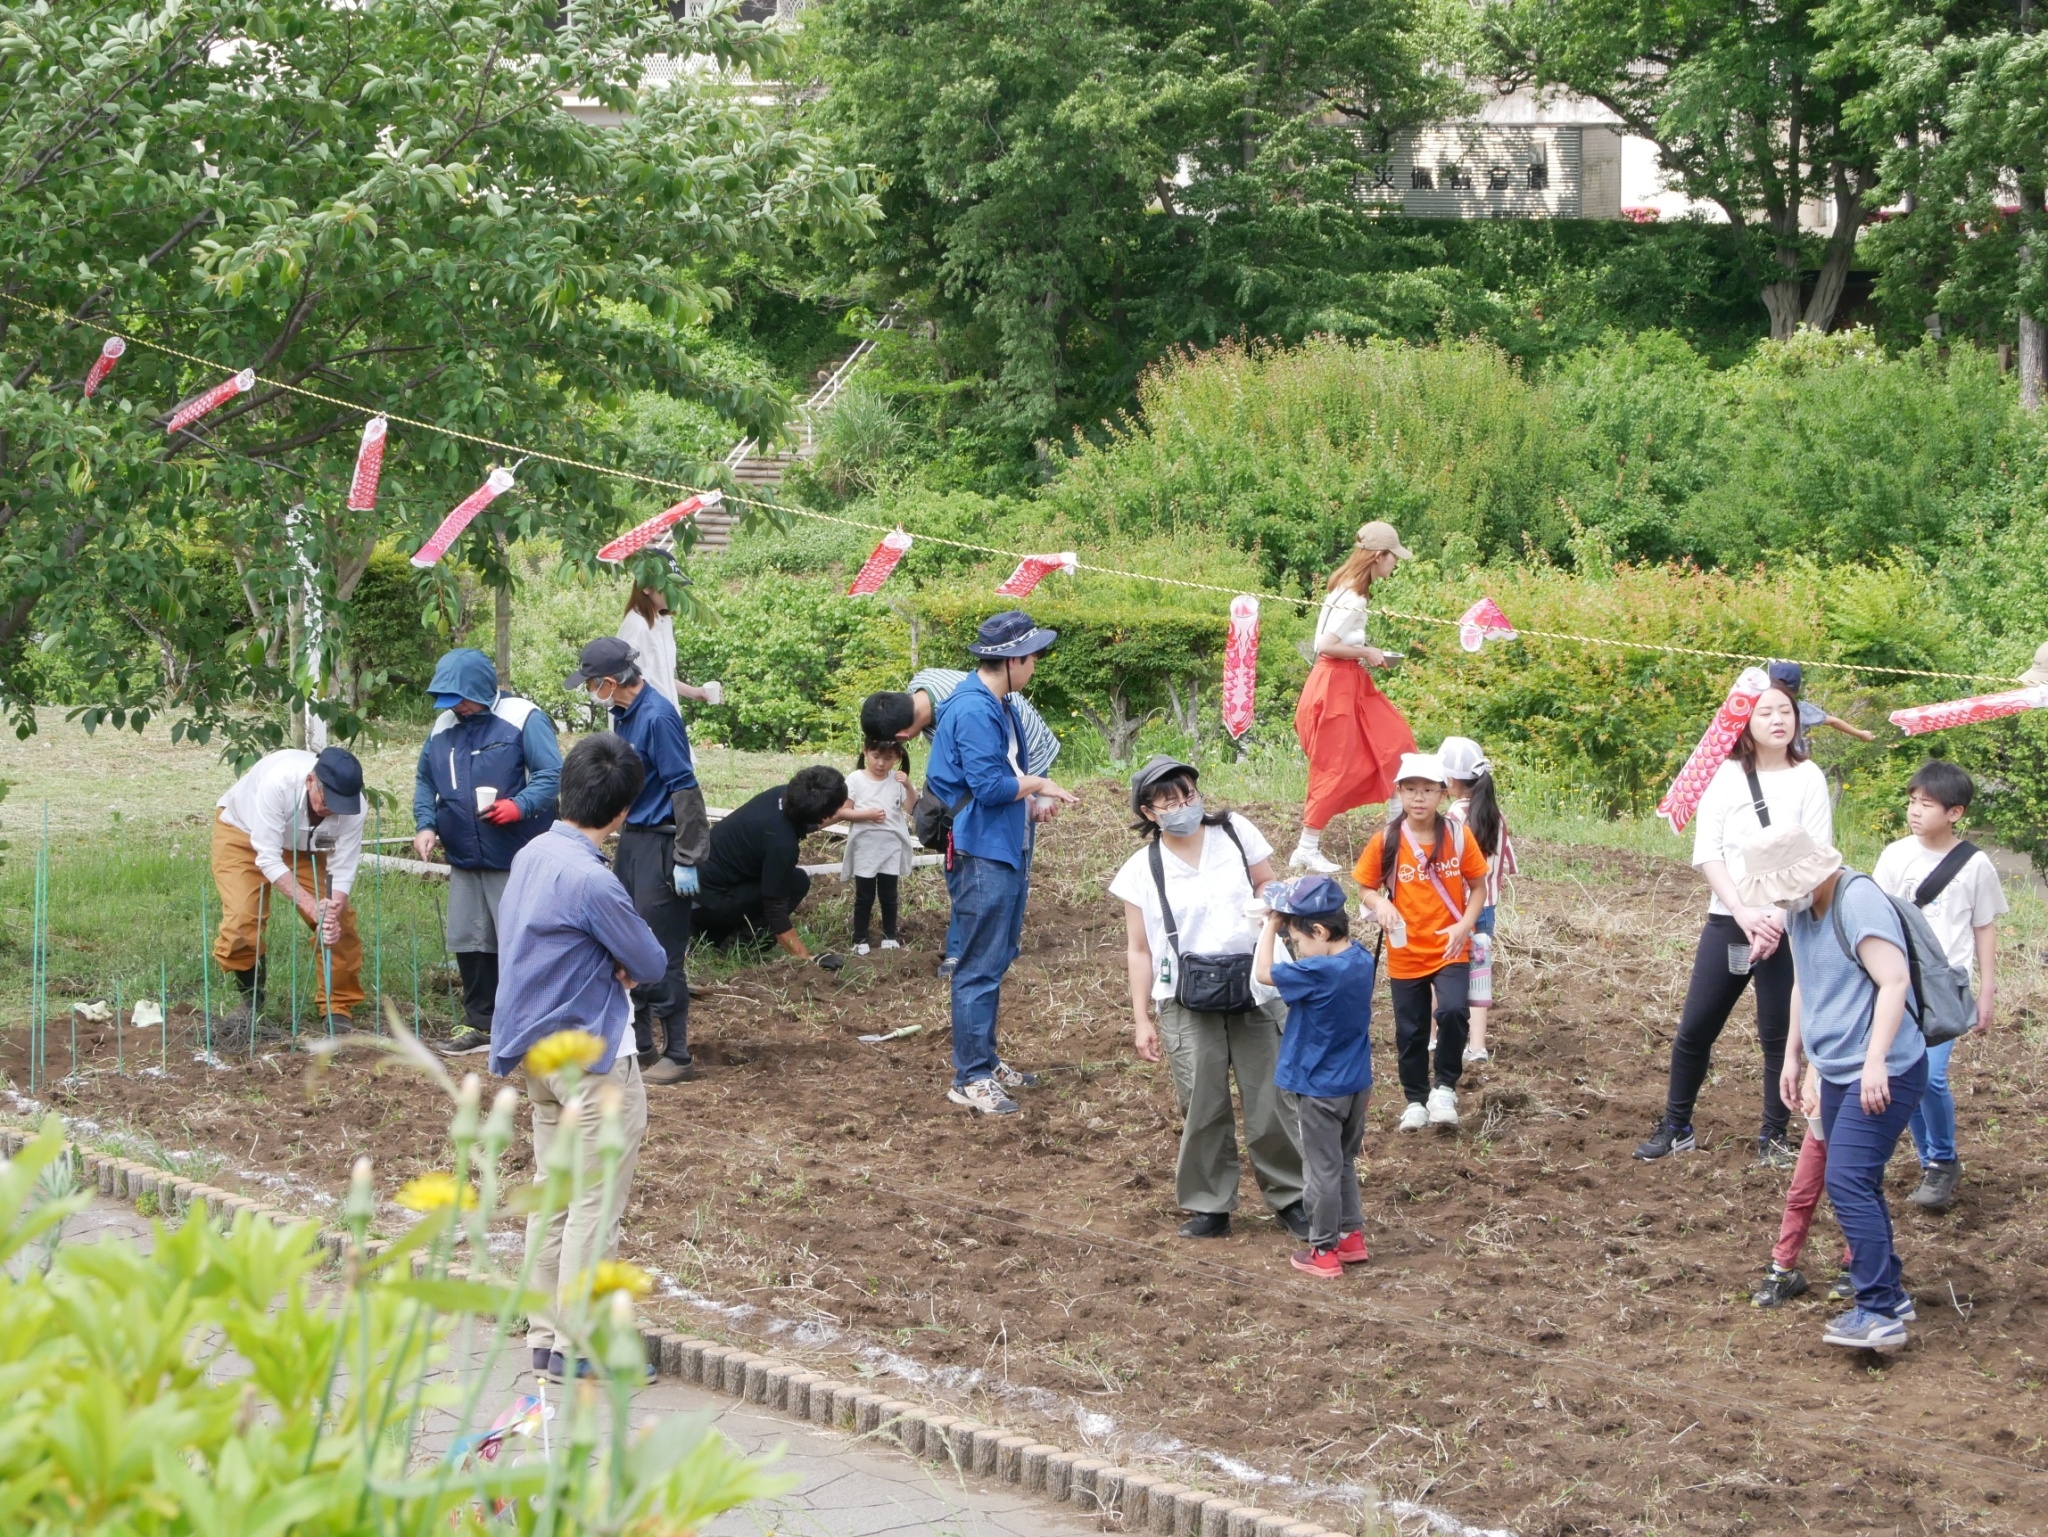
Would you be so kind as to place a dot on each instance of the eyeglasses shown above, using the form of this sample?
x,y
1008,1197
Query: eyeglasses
x,y
1174,803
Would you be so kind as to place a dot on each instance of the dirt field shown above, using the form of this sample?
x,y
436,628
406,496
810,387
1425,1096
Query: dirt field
x,y
1549,1339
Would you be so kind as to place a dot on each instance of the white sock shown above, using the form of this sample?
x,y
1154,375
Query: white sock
x,y
1312,840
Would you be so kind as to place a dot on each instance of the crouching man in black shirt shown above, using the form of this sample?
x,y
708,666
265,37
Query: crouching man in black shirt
x,y
750,883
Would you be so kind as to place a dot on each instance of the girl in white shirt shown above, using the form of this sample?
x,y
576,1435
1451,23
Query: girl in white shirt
x,y
1210,864
1767,781
650,631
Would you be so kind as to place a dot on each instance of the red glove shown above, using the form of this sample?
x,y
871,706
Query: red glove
x,y
503,813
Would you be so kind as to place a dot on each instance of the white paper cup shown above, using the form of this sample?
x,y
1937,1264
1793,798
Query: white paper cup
x,y
486,797
714,692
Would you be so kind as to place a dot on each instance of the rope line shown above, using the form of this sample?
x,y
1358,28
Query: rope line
x,y
686,489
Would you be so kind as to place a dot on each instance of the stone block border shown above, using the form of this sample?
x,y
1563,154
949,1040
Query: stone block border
x,y
1126,1499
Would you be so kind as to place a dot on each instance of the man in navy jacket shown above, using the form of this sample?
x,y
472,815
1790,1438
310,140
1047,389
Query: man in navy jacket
x,y
977,767
484,789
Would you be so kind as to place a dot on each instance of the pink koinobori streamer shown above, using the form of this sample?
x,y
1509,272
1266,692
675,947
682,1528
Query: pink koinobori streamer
x,y
1033,569
110,354
362,490
1483,622
880,562
1922,718
464,512
1730,721
1241,665
634,540
212,400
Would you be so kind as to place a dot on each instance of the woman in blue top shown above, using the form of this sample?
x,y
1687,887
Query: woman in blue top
x,y
1849,1014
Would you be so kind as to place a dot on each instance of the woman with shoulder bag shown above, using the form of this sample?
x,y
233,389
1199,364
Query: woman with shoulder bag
x,y
1189,944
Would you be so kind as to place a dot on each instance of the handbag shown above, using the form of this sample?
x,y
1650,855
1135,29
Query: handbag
x,y
1205,984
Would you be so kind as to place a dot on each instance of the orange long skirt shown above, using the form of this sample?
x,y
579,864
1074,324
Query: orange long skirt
x,y
1353,738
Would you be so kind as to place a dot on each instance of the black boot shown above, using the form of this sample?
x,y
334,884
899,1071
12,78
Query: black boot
x,y
479,971
250,985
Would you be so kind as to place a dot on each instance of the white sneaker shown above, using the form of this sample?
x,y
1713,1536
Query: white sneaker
x,y
985,1096
860,949
1414,1118
1311,860
892,944
1443,1106
1477,1054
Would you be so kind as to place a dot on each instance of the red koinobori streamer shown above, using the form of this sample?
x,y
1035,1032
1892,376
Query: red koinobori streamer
x,y
1241,665
110,354
451,528
634,540
362,491
211,401
1483,622
1730,721
1922,718
1033,569
876,568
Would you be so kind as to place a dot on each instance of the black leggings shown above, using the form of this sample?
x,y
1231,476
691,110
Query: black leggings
x,y
1709,1000
1411,995
865,888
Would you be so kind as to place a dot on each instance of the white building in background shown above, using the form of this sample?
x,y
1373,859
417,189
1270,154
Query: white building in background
x,y
1529,156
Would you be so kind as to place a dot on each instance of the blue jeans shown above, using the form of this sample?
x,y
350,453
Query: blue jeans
x,y
1934,1123
1859,1147
988,916
953,922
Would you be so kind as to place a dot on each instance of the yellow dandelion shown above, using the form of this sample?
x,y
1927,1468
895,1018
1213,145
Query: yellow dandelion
x,y
555,1052
616,1276
435,1192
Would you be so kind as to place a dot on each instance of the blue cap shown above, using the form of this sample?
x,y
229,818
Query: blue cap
x,y
1012,633
447,701
1306,896
1786,674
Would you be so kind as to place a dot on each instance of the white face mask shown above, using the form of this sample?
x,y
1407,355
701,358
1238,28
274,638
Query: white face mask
x,y
1796,904
601,701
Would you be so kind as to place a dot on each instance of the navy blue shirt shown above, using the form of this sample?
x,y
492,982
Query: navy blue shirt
x,y
654,730
564,923
978,752
1326,1052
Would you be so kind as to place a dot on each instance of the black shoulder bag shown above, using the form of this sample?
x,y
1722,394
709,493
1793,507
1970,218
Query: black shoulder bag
x,y
1756,795
1941,875
1206,984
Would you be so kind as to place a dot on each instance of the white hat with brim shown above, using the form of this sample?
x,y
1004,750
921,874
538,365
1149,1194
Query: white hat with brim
x,y
1784,863
2038,673
1420,765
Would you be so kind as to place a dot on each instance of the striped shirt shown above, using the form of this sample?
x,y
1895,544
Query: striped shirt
x,y
1500,863
1041,747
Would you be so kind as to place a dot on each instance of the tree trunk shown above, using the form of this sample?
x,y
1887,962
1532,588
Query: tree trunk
x,y
1841,250
502,651
2033,362
1782,300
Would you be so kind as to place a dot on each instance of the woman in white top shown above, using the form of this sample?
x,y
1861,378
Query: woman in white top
x,y
1210,864
1767,781
1351,734
649,630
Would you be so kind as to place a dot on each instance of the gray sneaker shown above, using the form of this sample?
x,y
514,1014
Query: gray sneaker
x,y
1938,1183
983,1096
466,1042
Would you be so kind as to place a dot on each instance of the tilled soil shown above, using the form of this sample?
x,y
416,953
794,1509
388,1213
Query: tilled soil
x,y
1550,1337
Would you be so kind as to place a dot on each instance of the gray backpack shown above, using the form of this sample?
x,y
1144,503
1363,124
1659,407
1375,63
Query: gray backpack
x,y
1948,1010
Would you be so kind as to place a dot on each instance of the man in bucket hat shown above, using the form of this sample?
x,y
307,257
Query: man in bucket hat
x,y
1849,1005
978,766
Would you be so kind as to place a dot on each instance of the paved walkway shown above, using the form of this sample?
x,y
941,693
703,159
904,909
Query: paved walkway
x,y
845,1488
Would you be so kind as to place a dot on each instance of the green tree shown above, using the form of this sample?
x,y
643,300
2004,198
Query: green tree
x,y
1071,189
387,203
1746,107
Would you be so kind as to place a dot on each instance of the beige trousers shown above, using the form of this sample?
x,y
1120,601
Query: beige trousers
x,y
569,1243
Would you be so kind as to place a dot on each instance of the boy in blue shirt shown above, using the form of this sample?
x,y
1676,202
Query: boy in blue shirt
x,y
1325,1066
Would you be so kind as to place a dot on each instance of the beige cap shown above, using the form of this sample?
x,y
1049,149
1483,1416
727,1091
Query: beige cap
x,y
2038,673
1381,536
1783,863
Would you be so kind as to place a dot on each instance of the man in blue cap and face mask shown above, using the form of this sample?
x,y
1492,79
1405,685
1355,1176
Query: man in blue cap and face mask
x,y
484,789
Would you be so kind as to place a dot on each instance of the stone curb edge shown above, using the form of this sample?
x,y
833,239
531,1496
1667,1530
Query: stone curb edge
x,y
1125,1499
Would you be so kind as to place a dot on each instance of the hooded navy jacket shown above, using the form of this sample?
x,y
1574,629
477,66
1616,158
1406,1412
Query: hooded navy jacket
x,y
510,746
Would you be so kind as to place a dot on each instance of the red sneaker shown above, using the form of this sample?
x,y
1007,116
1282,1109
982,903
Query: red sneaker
x,y
1317,1262
1351,1249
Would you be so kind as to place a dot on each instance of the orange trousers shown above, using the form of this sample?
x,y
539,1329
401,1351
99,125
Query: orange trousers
x,y
1353,738
247,899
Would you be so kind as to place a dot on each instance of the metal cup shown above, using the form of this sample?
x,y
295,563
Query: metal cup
x,y
1738,960
486,797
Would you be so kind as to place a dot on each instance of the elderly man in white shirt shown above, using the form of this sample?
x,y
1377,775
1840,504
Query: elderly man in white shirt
x,y
294,825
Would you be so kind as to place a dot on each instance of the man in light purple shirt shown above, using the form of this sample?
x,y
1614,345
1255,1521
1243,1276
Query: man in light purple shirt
x,y
569,945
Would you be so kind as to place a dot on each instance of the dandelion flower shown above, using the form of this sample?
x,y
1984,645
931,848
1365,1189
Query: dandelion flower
x,y
435,1192
557,1051
616,1276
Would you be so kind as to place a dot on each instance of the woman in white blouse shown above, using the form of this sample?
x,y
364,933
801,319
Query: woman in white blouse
x,y
1767,781
1351,733
649,630
1208,865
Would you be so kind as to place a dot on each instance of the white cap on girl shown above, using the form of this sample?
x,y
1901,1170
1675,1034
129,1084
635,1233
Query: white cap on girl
x,y
1419,765
1462,759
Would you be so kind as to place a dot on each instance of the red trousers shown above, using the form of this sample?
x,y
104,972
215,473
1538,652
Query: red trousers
x,y
1809,1183
1353,738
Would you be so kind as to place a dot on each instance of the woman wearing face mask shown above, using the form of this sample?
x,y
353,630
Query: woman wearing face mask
x,y
1767,781
1206,866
